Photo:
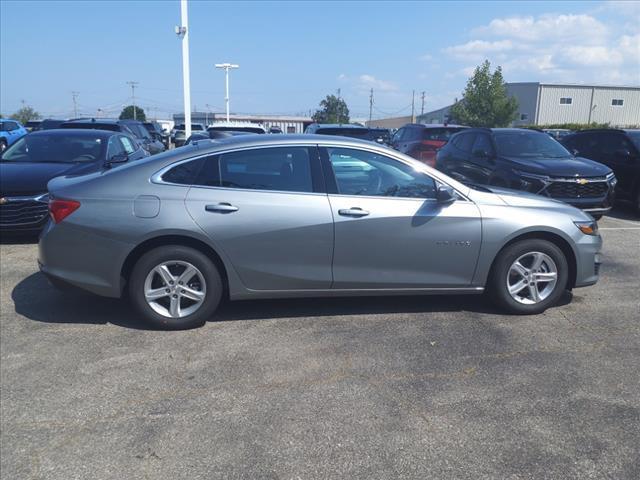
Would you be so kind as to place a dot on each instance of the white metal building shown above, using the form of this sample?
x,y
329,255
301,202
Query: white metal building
x,y
288,124
551,103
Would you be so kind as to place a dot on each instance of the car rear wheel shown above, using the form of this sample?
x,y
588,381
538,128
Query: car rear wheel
x,y
175,287
529,276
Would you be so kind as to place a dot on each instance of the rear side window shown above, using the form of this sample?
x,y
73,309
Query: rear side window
x,y
128,144
281,168
185,173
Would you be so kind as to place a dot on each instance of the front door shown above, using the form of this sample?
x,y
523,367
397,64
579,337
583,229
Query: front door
x,y
264,210
390,232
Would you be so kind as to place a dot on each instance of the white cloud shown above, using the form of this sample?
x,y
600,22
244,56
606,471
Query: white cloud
x,y
369,81
562,48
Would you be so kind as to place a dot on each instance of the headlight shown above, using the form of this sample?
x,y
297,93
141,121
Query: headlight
x,y
532,182
588,228
611,179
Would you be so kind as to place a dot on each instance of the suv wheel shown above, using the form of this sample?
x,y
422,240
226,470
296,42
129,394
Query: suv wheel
x,y
529,276
175,287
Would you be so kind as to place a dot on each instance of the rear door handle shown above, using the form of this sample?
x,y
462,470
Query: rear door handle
x,y
353,212
221,208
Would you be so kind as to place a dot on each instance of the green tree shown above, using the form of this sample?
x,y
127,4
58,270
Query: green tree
x,y
332,110
485,101
127,113
25,114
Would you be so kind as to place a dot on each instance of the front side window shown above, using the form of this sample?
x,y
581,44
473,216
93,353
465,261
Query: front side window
x,y
566,101
285,169
359,172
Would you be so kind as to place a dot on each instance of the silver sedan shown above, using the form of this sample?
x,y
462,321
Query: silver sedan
x,y
278,216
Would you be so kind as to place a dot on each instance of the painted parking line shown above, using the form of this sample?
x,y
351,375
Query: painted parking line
x,y
619,228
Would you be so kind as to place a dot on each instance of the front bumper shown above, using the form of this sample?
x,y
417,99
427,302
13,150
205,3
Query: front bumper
x,y
588,261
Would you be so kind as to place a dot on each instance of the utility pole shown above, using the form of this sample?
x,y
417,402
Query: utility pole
x,y
133,96
338,94
227,67
183,33
74,96
413,102
422,109
370,107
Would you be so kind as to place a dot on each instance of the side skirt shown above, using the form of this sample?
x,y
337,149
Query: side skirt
x,y
364,292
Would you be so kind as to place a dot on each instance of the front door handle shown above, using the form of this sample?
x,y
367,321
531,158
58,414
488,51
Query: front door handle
x,y
353,212
221,208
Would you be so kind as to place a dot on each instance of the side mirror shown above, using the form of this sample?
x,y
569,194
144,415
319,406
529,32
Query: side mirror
x,y
622,153
118,158
445,194
575,152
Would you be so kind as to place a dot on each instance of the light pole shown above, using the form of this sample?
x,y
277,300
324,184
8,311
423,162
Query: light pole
x,y
226,67
183,33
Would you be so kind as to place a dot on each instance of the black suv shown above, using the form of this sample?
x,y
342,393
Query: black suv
x,y
131,127
528,160
422,142
157,132
617,149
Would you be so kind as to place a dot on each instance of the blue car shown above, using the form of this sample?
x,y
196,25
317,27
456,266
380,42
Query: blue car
x,y
10,131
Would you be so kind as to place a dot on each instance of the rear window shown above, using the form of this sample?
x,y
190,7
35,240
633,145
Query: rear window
x,y
442,134
345,132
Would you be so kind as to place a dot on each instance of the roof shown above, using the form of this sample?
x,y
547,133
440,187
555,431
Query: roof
x,y
438,125
82,132
106,121
258,140
575,85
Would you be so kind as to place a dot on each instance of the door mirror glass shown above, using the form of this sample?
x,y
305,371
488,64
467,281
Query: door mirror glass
x,y
623,153
445,194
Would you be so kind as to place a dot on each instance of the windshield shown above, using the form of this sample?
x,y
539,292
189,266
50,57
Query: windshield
x,y
635,137
345,132
55,149
529,145
138,130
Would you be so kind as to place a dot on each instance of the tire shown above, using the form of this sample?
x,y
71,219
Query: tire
x,y
196,304
504,273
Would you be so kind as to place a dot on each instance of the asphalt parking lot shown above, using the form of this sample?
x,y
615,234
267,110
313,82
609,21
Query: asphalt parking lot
x,y
405,387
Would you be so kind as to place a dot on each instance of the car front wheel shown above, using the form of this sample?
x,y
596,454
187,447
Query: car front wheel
x,y
175,287
529,276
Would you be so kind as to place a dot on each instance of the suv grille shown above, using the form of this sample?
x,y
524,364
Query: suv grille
x,y
25,212
576,190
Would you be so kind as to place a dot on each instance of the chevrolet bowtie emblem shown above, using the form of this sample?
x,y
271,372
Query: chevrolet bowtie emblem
x,y
4,200
582,181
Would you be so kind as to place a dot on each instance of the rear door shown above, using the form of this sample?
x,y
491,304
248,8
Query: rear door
x,y
612,148
265,208
390,232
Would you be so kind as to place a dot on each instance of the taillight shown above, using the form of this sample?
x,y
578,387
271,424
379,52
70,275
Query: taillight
x,y
60,209
428,157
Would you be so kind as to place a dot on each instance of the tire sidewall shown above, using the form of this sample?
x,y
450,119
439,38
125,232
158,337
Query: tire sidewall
x,y
166,254
503,263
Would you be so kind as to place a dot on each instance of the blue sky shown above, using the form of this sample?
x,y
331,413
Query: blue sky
x,y
292,54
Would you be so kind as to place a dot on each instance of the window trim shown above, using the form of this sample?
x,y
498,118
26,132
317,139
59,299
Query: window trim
x,y
156,178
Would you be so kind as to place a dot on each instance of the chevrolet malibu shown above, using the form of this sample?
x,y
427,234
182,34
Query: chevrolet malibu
x,y
305,216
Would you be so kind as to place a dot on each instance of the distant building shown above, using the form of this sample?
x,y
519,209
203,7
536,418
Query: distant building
x,y
550,103
393,122
288,124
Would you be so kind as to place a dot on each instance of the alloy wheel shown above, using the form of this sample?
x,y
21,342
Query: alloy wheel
x,y
175,289
532,278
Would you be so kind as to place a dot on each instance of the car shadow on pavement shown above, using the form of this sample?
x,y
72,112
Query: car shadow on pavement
x,y
37,300
623,211
17,239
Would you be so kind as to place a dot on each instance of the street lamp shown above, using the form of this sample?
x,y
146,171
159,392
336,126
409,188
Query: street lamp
x,y
226,67
183,33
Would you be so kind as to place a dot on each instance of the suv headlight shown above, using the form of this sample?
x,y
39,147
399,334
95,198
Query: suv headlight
x,y
611,179
532,182
588,228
